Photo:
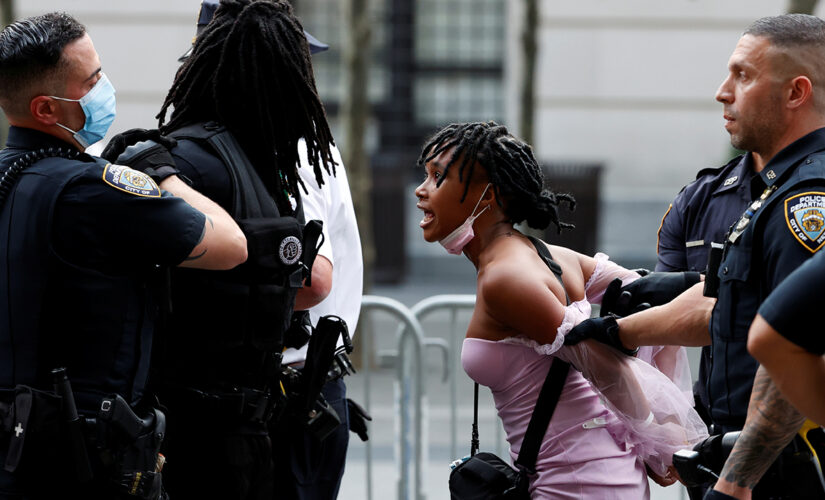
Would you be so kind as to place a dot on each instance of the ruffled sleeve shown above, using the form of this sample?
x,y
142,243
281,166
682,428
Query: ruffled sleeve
x,y
605,272
655,417
649,394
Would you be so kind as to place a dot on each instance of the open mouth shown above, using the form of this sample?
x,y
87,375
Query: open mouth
x,y
428,217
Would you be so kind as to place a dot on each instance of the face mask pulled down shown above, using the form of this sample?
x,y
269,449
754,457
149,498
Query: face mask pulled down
x,y
99,106
458,239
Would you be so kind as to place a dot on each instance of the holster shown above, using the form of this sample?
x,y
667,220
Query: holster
x,y
123,448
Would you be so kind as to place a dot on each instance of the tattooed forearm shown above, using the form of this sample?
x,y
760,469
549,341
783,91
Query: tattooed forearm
x,y
770,426
196,257
200,240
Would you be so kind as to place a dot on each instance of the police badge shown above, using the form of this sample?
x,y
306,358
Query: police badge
x,y
805,215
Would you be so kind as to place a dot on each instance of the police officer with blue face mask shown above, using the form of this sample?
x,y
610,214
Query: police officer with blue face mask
x,y
82,242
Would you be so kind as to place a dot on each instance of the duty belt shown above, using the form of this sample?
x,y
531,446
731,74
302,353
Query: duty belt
x,y
241,404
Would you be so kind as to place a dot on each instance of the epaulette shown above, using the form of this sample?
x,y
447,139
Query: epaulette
x,y
716,170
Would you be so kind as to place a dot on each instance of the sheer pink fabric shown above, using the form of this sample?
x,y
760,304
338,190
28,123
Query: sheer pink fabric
x,y
649,395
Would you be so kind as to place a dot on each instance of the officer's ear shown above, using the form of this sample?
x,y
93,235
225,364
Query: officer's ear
x,y
800,90
45,110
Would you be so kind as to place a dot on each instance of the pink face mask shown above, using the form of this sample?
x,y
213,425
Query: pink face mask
x,y
458,239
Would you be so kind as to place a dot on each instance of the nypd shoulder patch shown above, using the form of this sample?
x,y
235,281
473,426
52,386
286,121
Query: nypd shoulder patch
x,y
131,181
805,215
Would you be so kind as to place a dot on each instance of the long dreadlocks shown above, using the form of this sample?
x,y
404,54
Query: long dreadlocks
x,y
510,166
250,70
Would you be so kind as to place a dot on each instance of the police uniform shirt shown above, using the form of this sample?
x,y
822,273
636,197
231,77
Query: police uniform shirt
x,y
772,246
100,225
701,213
79,269
792,308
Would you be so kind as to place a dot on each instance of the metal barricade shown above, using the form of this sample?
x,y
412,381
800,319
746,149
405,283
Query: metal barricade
x,y
409,365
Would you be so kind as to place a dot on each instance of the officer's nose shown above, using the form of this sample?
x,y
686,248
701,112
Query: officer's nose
x,y
724,93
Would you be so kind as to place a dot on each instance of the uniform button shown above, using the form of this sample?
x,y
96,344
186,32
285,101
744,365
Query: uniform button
x,y
808,161
725,270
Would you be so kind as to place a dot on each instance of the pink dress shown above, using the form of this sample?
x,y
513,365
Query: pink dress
x,y
615,413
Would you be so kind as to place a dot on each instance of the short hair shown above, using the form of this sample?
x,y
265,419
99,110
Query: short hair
x,y
510,166
250,70
799,40
31,58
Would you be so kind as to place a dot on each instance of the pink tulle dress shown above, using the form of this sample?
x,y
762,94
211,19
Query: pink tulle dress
x,y
615,413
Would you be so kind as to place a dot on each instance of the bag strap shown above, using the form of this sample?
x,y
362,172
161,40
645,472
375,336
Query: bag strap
x,y
548,397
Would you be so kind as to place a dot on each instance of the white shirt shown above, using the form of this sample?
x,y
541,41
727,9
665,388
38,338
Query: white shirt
x,y
332,204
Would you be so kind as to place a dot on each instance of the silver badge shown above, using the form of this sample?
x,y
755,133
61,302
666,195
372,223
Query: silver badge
x,y
730,180
771,174
290,250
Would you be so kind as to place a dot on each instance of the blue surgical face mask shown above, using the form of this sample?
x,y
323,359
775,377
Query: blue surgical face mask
x,y
99,107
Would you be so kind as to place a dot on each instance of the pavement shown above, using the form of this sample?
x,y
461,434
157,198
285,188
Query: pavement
x,y
444,437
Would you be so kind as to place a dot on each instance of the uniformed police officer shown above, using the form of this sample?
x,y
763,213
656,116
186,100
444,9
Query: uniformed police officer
x,y
774,108
243,98
699,217
786,338
81,241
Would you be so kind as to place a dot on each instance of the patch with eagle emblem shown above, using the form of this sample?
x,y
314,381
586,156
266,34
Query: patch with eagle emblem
x,y
805,215
130,180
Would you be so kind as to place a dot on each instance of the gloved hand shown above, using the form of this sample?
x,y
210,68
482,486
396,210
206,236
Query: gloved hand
x,y
358,417
618,302
651,290
151,158
118,144
604,330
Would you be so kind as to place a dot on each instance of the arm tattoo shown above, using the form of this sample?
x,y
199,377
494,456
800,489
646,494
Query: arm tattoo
x,y
200,240
771,424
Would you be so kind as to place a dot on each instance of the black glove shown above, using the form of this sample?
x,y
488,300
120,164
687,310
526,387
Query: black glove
x,y
358,417
151,158
618,302
118,144
651,290
604,330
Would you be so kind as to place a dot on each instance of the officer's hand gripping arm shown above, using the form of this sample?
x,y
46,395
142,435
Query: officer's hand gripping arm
x,y
118,144
652,289
603,329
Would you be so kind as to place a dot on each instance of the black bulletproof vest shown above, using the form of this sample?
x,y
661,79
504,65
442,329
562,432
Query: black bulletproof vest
x,y
224,323
56,314
741,291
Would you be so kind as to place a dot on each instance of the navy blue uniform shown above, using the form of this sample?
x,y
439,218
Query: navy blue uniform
x,y
701,214
81,241
761,251
791,309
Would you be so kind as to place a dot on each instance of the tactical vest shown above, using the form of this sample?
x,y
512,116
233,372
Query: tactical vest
x,y
223,324
741,291
56,314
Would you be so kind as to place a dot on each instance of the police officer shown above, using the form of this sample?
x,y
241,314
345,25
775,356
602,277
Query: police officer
x,y
699,216
81,241
786,338
242,100
774,108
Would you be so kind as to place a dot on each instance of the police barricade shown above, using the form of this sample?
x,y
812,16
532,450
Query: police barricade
x,y
411,404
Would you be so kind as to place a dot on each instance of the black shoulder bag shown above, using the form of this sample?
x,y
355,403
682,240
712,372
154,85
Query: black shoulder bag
x,y
486,476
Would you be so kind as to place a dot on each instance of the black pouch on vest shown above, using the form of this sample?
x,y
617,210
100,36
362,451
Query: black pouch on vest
x,y
33,433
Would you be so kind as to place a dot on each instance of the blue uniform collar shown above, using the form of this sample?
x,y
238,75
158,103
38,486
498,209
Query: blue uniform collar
x,y
738,175
28,138
789,157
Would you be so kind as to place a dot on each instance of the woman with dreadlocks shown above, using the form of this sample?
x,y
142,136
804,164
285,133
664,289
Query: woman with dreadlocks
x,y
480,181
249,73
